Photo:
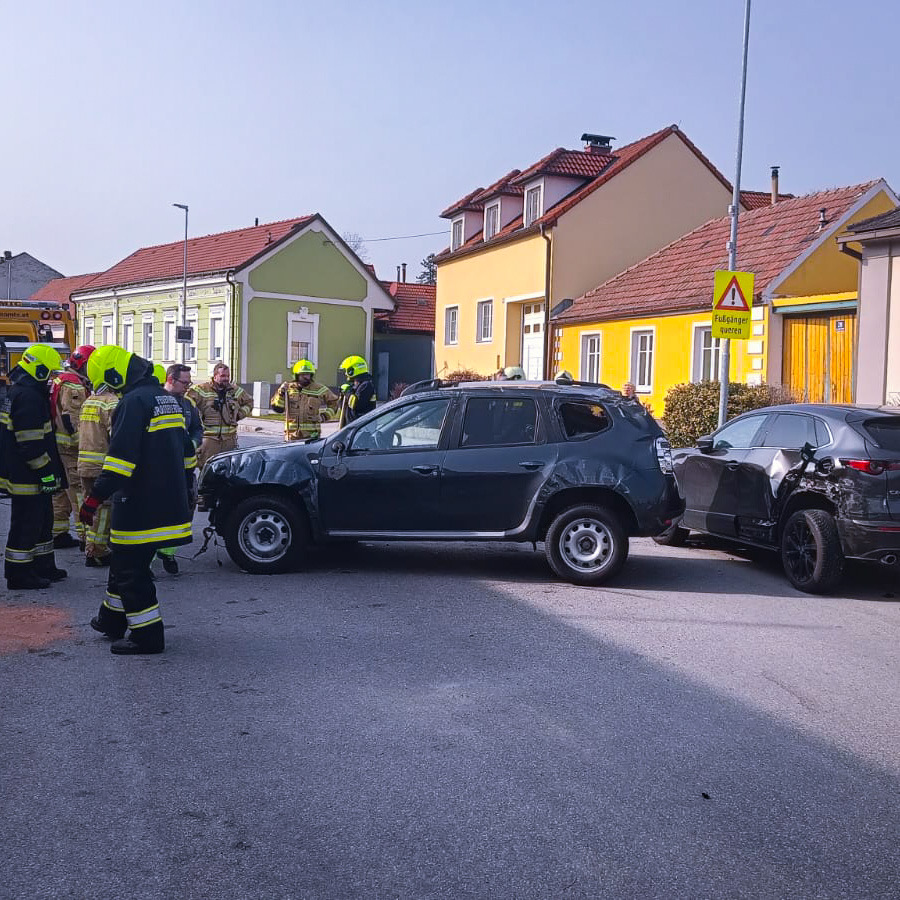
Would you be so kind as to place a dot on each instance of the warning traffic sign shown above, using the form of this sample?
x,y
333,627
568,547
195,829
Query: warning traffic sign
x,y
732,305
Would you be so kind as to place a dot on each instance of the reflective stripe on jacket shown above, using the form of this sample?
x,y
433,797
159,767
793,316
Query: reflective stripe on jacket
x,y
304,408
93,432
220,408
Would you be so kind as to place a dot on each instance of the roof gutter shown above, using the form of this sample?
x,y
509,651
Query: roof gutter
x,y
548,338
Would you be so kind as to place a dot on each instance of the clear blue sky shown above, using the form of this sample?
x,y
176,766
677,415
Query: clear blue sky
x,y
378,115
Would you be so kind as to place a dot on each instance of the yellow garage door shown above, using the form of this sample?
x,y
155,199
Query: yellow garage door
x,y
818,357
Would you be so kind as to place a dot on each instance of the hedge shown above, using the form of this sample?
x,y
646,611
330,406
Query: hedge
x,y
692,410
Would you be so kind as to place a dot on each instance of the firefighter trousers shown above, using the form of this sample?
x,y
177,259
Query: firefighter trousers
x,y
29,546
213,445
131,598
97,534
68,501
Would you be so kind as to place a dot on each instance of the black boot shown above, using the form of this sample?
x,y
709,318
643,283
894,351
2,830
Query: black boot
x,y
96,562
64,541
27,580
110,631
45,566
130,647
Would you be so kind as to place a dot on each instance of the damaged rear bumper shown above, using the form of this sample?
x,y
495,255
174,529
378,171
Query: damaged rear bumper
x,y
877,541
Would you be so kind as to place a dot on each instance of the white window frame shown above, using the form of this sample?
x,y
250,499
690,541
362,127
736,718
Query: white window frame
x,y
190,350
528,219
216,314
457,242
698,350
591,360
488,210
641,386
88,331
106,331
484,335
169,344
451,335
303,317
128,333
147,319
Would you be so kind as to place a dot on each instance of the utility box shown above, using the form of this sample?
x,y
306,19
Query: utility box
x,y
262,396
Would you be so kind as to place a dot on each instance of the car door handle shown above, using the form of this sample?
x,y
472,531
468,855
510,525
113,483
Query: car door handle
x,y
732,467
531,466
425,470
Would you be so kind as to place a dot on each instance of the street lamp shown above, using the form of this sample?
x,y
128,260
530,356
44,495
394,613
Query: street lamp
x,y
183,315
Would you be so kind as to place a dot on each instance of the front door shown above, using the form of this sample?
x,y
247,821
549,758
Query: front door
x,y
818,357
533,341
387,477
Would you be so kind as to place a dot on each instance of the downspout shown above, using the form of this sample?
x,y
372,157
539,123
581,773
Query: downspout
x,y
232,329
548,338
115,321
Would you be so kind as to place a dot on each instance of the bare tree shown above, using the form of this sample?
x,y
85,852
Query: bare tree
x,y
353,240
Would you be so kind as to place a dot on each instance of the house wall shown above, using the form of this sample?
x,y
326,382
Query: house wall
x,y
673,352
878,367
514,269
21,276
658,198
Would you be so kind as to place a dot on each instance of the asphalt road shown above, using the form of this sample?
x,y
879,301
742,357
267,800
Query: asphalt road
x,y
434,720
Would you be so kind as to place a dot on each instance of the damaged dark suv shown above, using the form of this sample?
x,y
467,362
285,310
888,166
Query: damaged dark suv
x,y
576,466
820,483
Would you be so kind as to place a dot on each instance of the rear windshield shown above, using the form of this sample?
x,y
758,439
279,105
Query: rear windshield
x,y
884,432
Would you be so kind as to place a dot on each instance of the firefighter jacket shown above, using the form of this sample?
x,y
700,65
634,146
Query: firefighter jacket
x,y
28,451
220,408
93,432
360,397
191,418
67,396
304,408
146,465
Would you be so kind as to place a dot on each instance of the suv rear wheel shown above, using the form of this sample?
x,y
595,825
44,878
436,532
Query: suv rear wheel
x,y
811,551
586,545
266,535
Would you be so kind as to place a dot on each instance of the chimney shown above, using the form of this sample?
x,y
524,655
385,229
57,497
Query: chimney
x,y
398,274
774,185
823,221
256,222
403,266
597,143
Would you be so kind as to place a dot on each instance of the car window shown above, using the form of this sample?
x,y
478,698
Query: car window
x,y
414,425
884,432
498,421
738,434
580,418
790,431
823,435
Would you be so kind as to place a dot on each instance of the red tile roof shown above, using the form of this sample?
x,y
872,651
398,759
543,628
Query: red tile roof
x,y
598,168
413,310
890,219
756,199
477,198
60,289
206,255
679,278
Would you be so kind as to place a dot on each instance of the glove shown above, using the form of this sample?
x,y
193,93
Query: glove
x,y
345,387
88,510
50,484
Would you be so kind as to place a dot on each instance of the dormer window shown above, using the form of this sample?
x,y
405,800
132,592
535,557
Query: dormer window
x,y
491,220
534,204
456,234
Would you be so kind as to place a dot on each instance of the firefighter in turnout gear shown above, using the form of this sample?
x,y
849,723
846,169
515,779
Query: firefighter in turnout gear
x,y
93,442
68,392
221,405
305,403
30,471
359,391
146,472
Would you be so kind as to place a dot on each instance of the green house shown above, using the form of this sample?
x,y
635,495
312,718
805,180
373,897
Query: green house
x,y
258,299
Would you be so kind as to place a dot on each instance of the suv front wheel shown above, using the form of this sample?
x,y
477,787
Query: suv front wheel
x,y
266,535
586,545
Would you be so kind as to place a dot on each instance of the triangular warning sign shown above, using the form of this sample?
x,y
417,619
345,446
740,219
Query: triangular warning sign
x,y
732,297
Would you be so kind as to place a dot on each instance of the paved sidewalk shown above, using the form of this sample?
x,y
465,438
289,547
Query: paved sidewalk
x,y
275,427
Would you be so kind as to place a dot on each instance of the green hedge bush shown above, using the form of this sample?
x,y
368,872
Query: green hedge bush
x,y
692,410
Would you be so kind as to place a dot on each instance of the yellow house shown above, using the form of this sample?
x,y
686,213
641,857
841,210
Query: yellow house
x,y
555,230
651,324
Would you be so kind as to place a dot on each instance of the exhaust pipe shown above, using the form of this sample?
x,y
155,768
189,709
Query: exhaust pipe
x,y
889,559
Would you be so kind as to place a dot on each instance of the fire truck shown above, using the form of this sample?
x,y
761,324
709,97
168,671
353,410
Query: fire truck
x,y
26,322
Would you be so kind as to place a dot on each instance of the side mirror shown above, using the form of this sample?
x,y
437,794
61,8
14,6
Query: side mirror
x,y
338,447
705,443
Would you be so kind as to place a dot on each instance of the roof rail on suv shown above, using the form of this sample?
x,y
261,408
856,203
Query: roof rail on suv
x,y
429,384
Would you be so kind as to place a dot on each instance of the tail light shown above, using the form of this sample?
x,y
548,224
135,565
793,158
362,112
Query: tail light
x,y
871,466
664,455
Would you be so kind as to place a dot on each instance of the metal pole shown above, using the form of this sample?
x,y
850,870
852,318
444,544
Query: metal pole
x,y
725,355
183,348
